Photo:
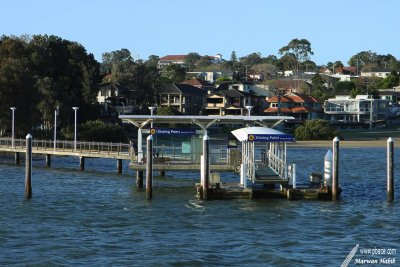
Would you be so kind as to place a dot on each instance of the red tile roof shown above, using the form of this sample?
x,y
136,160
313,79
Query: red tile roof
x,y
302,110
303,98
285,110
173,57
196,82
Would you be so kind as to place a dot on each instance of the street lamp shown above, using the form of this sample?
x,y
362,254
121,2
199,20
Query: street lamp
x,y
249,109
12,134
76,109
123,107
152,113
55,126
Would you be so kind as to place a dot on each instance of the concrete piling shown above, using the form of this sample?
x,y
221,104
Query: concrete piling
x,y
28,167
48,160
82,163
206,166
390,169
119,165
16,158
335,169
149,168
139,179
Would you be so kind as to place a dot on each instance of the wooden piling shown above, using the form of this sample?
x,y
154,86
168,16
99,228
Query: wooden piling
x,y
206,166
48,160
149,168
390,169
162,173
82,163
335,173
16,158
119,165
28,167
139,179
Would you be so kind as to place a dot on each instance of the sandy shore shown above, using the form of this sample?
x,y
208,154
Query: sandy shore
x,y
363,143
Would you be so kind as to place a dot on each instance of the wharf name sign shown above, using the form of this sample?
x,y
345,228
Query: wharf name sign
x,y
270,137
171,131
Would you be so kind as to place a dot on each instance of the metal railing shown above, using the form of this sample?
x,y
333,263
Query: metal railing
x,y
278,165
69,146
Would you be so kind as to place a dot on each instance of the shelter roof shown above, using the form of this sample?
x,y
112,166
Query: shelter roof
x,y
243,133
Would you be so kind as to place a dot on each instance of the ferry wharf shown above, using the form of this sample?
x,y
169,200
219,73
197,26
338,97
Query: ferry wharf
x,y
257,156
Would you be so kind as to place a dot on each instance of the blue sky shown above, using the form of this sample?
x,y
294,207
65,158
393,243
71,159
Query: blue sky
x,y
336,29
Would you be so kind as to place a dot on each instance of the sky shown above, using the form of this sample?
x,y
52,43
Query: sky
x,y
336,30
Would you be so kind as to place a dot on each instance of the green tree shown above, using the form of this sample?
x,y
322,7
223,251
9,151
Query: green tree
x,y
287,62
346,86
233,57
251,59
204,62
152,61
175,73
17,86
301,49
167,111
318,88
389,82
191,60
315,129
97,131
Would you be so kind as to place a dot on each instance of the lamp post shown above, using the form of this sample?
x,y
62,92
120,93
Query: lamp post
x,y
249,109
55,127
152,113
76,110
12,134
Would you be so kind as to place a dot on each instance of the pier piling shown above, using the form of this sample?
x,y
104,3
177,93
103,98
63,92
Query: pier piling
x,y
149,168
28,167
162,173
206,166
16,158
119,165
48,160
335,173
390,169
139,179
82,163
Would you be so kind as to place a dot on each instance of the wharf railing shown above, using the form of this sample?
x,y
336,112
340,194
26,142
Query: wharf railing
x,y
69,146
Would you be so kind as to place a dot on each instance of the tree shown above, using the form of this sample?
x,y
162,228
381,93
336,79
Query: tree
x,y
117,61
204,62
315,129
318,88
251,59
264,69
175,73
191,60
287,62
346,86
389,82
152,61
271,59
301,49
308,65
337,64
233,57
165,111
17,86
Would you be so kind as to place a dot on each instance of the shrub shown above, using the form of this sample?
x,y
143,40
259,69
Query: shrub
x,y
97,131
316,129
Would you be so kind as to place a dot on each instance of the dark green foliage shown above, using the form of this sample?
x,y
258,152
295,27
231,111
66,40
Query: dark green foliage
x,y
39,73
318,89
344,87
315,129
167,111
97,131
388,83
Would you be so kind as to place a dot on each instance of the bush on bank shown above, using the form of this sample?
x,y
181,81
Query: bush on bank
x,y
97,131
316,129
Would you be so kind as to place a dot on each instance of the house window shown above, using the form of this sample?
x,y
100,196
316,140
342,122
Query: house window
x,y
188,99
175,99
103,92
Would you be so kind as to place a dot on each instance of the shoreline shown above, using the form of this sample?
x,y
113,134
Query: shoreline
x,y
345,143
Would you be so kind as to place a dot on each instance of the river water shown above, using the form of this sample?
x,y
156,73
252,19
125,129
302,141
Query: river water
x,y
98,217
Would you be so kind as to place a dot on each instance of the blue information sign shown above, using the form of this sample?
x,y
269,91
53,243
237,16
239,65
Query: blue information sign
x,y
171,131
270,137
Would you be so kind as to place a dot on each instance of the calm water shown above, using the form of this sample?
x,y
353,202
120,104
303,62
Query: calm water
x,y
97,217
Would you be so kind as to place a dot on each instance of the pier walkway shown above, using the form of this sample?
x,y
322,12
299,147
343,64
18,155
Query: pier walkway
x,y
67,148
